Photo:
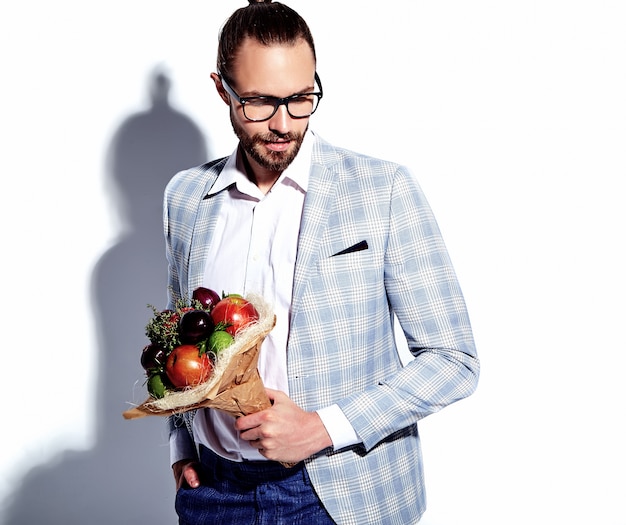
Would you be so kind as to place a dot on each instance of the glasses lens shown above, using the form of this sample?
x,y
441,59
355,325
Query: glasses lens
x,y
302,106
263,108
260,108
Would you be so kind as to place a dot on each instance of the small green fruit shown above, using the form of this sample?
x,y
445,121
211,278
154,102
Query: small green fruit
x,y
219,340
156,386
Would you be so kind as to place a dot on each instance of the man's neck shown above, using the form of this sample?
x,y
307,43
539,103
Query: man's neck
x,y
263,178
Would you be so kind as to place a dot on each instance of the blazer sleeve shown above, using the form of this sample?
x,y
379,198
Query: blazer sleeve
x,y
423,292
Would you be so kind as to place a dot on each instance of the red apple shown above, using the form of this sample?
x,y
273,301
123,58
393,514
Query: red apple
x,y
235,313
187,366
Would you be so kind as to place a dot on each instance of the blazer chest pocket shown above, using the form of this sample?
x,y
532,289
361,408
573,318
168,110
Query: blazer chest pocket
x,y
359,246
349,270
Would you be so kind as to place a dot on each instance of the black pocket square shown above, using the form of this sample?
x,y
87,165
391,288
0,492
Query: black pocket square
x,y
354,248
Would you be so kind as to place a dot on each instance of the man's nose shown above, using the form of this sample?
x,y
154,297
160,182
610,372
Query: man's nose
x,y
281,120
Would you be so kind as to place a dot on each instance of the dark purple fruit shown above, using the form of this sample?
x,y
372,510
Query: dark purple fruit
x,y
153,357
206,297
194,326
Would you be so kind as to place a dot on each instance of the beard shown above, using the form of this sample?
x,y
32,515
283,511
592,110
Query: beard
x,y
254,146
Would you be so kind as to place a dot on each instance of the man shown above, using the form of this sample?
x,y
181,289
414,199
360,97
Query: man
x,y
337,242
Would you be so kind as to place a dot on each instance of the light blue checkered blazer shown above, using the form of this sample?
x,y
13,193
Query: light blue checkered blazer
x,y
341,346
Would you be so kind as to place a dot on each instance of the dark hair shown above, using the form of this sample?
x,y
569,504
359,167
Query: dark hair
x,y
265,21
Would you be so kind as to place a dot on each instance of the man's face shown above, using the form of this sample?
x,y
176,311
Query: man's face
x,y
279,71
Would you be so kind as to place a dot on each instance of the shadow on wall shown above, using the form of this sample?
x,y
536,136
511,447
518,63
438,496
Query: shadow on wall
x,y
125,478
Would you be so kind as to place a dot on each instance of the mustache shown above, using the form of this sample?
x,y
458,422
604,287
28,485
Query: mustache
x,y
273,137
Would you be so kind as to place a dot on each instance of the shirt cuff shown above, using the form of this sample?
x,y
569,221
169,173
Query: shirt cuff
x,y
339,429
181,448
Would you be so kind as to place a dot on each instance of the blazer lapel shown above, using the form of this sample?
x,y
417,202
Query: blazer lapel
x,y
207,213
317,205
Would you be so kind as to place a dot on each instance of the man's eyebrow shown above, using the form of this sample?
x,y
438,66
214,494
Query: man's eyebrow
x,y
255,93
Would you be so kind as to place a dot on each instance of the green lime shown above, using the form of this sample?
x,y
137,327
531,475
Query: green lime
x,y
219,340
156,386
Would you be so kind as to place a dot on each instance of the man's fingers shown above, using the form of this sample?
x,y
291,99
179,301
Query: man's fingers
x,y
191,477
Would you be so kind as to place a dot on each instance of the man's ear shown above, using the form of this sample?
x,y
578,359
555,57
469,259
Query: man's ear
x,y
220,88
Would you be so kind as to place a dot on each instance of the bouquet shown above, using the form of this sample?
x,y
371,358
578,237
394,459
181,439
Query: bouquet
x,y
204,354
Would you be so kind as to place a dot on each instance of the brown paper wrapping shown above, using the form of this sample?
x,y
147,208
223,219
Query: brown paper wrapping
x,y
234,387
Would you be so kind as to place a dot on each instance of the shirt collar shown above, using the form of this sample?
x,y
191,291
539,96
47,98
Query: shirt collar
x,y
297,172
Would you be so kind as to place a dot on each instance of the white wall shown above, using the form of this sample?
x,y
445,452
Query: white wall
x,y
512,115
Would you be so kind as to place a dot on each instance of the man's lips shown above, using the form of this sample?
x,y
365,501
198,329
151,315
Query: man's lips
x,y
282,145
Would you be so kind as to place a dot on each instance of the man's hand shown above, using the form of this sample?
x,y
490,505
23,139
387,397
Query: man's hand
x,y
186,473
284,432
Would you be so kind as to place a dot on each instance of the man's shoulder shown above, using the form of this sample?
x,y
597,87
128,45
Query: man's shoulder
x,y
196,179
344,159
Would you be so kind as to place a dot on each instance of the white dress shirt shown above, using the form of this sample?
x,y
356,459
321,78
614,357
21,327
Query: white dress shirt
x,y
254,251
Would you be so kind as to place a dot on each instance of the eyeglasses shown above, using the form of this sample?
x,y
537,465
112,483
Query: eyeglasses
x,y
258,109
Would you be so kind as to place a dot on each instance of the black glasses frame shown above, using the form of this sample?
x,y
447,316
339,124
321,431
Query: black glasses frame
x,y
276,100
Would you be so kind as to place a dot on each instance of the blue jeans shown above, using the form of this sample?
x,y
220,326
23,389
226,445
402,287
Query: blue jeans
x,y
250,493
